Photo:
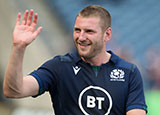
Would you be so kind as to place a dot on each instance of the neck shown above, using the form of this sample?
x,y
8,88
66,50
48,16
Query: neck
x,y
98,60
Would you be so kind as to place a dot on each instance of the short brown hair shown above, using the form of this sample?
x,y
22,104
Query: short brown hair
x,y
96,10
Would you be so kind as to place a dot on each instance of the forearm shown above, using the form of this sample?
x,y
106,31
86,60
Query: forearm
x,y
13,82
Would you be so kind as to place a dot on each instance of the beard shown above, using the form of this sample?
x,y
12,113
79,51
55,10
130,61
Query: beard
x,y
91,50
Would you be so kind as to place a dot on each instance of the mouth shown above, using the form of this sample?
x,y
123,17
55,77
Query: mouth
x,y
83,45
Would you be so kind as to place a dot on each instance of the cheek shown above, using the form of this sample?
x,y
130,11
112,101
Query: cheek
x,y
74,36
99,42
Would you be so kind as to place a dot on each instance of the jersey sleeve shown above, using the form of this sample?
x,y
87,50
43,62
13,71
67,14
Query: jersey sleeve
x,y
46,76
136,99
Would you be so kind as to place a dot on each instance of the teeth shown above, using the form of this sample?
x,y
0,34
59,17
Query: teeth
x,y
83,44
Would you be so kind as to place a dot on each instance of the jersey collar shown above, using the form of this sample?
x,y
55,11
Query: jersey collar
x,y
114,58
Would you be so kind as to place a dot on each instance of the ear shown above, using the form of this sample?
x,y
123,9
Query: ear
x,y
108,34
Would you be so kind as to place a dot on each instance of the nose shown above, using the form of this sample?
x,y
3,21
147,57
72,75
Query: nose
x,y
82,36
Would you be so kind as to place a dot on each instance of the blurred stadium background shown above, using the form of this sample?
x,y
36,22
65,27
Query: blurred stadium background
x,y
136,37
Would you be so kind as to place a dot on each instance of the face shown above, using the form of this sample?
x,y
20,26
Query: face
x,y
88,37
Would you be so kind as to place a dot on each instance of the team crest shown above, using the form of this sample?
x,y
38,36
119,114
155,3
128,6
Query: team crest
x,y
117,75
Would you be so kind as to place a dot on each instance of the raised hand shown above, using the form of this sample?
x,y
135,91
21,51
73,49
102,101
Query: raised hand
x,y
25,32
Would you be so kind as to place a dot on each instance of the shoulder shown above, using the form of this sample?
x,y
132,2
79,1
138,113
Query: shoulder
x,y
121,63
130,70
61,59
125,64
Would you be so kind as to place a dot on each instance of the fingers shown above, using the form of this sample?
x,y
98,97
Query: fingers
x,y
24,21
29,20
34,23
18,18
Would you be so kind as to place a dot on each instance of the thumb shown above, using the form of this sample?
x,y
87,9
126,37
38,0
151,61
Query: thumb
x,y
37,32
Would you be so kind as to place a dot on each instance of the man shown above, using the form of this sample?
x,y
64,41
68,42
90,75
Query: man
x,y
91,82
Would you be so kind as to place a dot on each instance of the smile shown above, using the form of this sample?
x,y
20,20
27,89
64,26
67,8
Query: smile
x,y
83,45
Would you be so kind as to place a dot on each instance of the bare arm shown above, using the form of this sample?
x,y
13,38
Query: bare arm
x,y
136,112
15,85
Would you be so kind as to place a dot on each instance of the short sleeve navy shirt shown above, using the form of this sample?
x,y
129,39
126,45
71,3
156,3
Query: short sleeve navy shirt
x,y
75,89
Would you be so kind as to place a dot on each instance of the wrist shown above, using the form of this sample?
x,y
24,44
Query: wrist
x,y
20,47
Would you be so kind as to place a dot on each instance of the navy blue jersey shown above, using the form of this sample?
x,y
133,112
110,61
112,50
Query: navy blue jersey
x,y
76,89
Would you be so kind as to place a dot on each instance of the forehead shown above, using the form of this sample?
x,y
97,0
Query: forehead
x,y
87,22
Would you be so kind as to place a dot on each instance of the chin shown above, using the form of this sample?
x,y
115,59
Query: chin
x,y
85,55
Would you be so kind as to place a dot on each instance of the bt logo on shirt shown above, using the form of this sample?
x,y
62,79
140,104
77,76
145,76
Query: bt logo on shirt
x,y
91,101
95,98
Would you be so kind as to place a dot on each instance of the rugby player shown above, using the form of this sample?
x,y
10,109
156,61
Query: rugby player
x,y
90,81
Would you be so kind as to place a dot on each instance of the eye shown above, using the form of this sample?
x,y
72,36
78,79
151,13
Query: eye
x,y
77,30
89,31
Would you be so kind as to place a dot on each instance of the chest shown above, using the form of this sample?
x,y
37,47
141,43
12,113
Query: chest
x,y
81,86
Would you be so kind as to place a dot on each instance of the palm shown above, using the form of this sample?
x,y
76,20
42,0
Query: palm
x,y
25,33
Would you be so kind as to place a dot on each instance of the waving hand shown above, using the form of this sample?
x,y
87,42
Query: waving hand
x,y
24,33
